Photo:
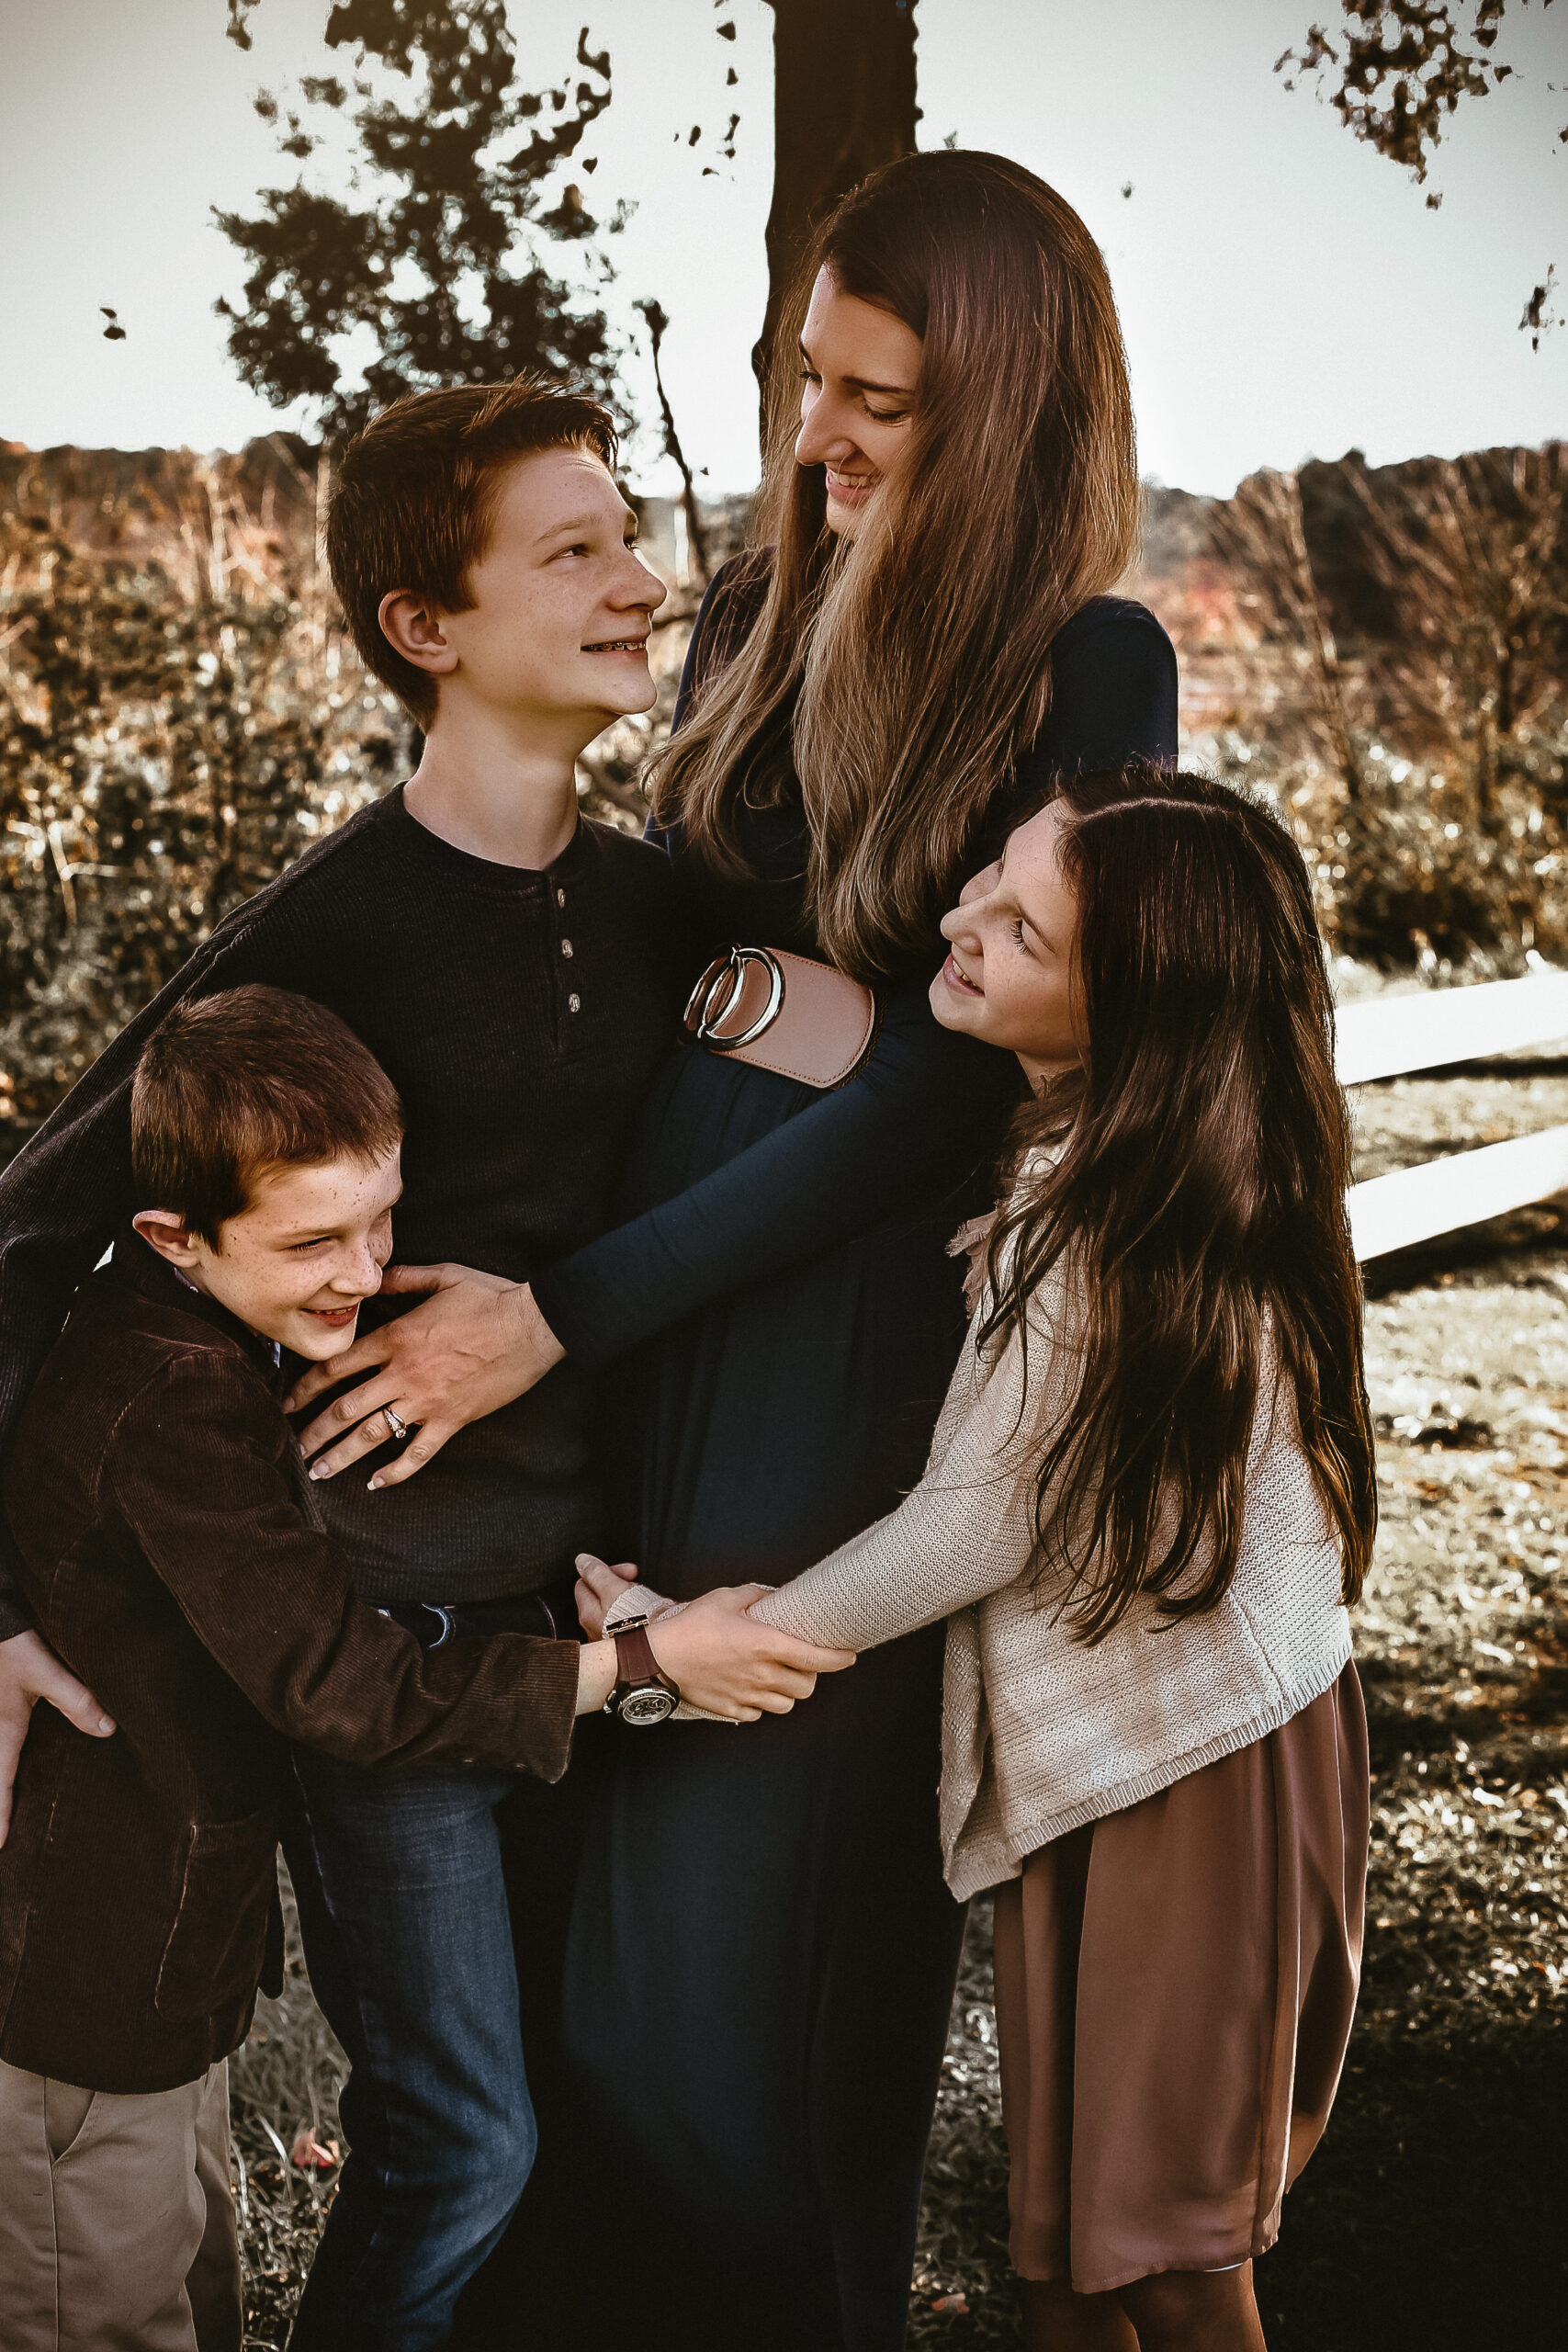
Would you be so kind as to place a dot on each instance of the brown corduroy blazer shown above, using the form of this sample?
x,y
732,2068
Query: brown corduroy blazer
x,y
171,1559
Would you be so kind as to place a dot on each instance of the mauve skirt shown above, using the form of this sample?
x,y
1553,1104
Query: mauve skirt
x,y
1174,1985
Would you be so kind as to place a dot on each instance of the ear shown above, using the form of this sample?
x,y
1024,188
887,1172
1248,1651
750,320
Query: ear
x,y
412,626
165,1231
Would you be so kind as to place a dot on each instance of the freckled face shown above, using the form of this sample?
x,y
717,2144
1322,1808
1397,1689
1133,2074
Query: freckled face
x,y
1009,978
860,369
303,1254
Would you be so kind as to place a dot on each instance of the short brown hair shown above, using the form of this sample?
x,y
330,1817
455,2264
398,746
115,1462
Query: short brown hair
x,y
253,1078
414,504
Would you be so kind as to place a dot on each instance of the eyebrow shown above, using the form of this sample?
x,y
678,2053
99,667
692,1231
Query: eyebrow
x,y
864,384
324,1232
585,523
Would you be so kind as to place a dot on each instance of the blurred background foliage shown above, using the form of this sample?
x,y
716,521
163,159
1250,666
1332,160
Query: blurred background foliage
x,y
1384,652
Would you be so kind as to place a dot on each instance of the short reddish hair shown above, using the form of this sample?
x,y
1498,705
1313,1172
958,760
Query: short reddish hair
x,y
252,1079
414,504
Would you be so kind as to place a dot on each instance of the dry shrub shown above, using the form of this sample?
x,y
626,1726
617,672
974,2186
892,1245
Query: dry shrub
x,y
164,753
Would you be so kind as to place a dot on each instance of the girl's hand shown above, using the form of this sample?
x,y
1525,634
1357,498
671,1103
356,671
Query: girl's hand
x,y
728,1665
599,1587
474,1344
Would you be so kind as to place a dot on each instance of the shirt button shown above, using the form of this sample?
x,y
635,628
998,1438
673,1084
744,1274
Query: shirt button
x,y
566,947
560,897
574,1004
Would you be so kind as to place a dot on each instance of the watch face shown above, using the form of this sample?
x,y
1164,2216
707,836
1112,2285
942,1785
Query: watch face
x,y
648,1705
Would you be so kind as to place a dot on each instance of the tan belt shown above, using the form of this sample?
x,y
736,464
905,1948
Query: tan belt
x,y
783,1013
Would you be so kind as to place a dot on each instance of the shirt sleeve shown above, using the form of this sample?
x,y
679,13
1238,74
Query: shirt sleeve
x,y
271,1597
967,1529
899,1135
1113,697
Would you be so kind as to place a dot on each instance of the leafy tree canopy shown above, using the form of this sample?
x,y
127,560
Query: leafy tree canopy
x,y
1403,67
440,250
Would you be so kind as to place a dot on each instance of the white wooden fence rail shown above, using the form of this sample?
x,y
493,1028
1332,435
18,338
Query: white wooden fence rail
x,y
1389,1037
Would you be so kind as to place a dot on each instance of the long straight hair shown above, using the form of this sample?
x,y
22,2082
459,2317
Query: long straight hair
x,y
1193,1189
902,674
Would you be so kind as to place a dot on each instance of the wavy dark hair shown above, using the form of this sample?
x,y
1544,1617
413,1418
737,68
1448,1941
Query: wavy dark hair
x,y
1196,1205
900,674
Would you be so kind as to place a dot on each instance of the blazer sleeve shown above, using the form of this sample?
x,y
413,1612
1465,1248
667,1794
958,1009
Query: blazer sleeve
x,y
271,1598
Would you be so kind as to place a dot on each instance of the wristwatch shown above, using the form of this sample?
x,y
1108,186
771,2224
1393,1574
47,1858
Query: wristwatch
x,y
643,1693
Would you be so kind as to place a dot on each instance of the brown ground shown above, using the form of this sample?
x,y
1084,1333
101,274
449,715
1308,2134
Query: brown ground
x,y
1431,2217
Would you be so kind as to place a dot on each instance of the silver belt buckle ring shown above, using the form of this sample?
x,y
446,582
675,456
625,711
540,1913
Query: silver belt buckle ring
x,y
443,1615
719,988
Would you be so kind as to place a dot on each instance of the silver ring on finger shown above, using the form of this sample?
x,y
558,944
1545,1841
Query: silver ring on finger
x,y
395,1422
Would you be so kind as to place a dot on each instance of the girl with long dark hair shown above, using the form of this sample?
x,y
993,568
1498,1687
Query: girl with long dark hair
x,y
1150,1498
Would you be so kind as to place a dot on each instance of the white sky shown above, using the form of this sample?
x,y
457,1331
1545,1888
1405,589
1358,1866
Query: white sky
x,y
1285,293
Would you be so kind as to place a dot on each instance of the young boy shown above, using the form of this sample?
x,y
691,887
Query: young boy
x,y
171,1553
519,975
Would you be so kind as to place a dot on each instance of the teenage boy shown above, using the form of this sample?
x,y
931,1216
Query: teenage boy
x,y
518,973
171,1553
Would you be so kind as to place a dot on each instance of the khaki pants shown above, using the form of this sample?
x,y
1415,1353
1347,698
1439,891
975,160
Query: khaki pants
x,y
117,2224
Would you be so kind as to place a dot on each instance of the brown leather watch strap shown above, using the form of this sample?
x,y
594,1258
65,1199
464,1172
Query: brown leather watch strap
x,y
639,1672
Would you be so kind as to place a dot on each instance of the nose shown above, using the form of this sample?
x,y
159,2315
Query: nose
x,y
640,590
959,923
824,437
360,1271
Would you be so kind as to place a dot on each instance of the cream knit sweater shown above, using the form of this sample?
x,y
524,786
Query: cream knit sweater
x,y
1040,1732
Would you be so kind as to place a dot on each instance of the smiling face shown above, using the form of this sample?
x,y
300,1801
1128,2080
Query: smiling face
x,y
555,639
1010,976
302,1255
860,368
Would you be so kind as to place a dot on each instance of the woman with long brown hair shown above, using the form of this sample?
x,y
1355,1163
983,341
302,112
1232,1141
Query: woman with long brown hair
x,y
1150,1498
764,1951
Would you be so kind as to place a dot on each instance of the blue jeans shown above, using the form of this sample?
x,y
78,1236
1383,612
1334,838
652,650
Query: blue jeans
x,y
408,1939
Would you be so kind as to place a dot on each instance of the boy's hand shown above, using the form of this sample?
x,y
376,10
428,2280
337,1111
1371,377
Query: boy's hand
x,y
30,1671
475,1344
728,1665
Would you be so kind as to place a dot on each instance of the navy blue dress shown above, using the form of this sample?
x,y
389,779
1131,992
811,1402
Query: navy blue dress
x,y
762,1949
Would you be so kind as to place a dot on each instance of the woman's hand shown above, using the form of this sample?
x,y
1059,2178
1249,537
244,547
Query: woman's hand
x,y
30,1671
599,1587
475,1344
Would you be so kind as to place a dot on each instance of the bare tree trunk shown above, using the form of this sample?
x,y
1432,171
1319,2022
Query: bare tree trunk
x,y
844,102
657,322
